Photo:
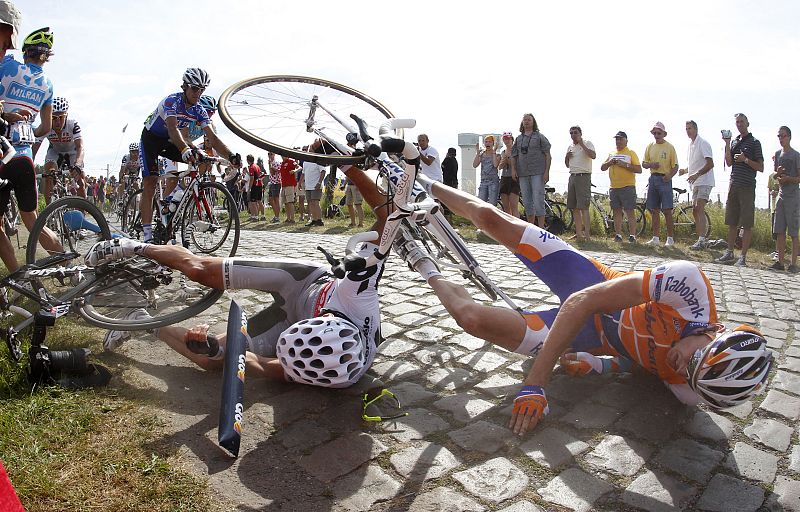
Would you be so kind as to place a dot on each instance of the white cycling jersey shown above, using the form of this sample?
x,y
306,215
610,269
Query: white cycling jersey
x,y
63,141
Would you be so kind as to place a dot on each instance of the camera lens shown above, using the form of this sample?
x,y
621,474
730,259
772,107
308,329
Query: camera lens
x,y
73,360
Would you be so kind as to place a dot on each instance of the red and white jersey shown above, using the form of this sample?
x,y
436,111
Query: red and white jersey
x,y
63,141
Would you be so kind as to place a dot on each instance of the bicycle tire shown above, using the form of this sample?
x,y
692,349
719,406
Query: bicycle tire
x,y
565,213
641,219
73,237
685,225
194,238
104,305
287,125
130,214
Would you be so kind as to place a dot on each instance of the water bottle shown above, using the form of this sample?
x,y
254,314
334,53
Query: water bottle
x,y
173,199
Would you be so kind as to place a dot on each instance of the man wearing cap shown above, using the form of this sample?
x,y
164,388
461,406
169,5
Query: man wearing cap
x,y
622,166
579,189
662,160
745,157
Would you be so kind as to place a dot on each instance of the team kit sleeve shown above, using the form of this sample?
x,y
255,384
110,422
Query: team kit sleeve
x,y
76,131
683,287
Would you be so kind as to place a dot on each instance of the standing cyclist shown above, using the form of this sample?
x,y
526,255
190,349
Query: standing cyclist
x,y
27,92
65,139
164,135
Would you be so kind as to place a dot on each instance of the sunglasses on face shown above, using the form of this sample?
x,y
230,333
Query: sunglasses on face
x,y
196,88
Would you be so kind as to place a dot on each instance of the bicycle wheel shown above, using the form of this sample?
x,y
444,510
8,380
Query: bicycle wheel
x,y
684,223
131,217
114,291
73,222
208,221
641,219
563,212
274,113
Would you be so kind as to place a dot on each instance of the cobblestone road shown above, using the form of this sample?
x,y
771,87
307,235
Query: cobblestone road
x,y
616,443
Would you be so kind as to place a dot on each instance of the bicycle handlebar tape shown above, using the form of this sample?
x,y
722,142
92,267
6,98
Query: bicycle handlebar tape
x,y
393,145
231,413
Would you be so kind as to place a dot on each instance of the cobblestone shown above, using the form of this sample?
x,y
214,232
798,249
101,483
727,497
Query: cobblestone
x,y
613,442
495,480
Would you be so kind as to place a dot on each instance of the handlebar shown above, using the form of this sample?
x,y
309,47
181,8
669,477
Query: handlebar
x,y
8,150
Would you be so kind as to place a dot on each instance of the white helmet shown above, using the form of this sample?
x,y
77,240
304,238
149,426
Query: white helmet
x,y
197,77
325,351
60,105
732,368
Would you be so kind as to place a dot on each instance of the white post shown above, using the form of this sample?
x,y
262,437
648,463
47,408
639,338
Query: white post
x,y
468,181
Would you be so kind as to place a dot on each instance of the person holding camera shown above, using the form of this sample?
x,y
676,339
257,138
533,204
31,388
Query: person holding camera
x,y
530,163
745,157
622,166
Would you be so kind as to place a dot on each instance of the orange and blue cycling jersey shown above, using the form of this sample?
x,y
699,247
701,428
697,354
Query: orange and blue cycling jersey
x,y
679,299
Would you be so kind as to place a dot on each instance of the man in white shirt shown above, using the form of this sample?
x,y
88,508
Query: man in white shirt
x,y
431,163
700,168
579,190
314,176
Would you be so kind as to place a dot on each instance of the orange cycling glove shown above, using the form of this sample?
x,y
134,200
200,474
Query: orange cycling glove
x,y
531,401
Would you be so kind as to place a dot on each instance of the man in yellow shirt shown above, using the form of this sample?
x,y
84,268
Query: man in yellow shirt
x,y
622,166
662,160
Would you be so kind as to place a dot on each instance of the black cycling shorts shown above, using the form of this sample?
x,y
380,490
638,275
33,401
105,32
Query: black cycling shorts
x,y
153,146
256,193
22,180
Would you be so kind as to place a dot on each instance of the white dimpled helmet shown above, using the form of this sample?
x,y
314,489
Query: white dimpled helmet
x,y
324,351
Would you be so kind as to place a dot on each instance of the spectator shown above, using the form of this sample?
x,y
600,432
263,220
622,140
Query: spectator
x,y
353,200
450,168
255,189
488,159
745,157
301,192
787,208
700,166
274,192
622,167
531,164
288,170
509,185
773,187
314,177
662,160
231,180
579,189
431,163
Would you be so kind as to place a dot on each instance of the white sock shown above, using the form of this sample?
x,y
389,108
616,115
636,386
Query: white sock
x,y
701,239
147,232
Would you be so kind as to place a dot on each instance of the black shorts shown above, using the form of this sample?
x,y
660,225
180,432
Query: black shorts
x,y
22,180
256,193
509,185
274,190
151,148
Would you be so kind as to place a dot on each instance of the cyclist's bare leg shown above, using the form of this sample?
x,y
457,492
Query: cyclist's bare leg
x,y
7,253
206,270
47,238
146,205
618,221
49,182
499,225
79,183
500,326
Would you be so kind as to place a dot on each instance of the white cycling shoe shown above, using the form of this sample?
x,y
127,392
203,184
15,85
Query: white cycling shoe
x,y
114,339
107,251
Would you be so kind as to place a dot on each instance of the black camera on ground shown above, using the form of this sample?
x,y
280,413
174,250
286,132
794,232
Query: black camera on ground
x,y
66,368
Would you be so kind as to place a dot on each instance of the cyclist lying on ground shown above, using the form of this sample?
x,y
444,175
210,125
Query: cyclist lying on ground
x,y
663,319
319,330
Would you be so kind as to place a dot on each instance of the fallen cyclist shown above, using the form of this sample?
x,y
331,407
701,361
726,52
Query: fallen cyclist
x,y
663,319
319,330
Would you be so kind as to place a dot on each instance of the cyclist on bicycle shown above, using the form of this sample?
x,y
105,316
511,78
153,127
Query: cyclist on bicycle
x,y
164,134
308,303
65,142
128,171
663,319
27,92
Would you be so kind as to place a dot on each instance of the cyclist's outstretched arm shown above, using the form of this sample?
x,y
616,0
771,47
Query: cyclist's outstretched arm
x,y
257,366
500,326
217,143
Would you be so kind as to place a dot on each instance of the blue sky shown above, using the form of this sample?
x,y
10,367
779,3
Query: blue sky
x,y
466,67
